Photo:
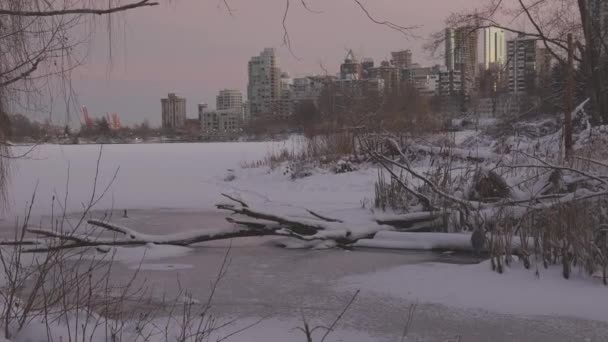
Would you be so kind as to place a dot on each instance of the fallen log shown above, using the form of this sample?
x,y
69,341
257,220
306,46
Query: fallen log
x,y
419,241
317,231
68,240
409,218
458,242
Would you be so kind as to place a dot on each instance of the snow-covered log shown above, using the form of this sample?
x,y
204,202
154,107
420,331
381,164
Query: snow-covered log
x,y
322,227
460,242
415,221
419,241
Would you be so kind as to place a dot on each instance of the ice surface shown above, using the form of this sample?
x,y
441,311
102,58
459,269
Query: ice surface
x,y
161,267
518,292
278,282
179,176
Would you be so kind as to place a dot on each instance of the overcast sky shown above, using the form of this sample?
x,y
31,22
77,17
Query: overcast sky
x,y
195,48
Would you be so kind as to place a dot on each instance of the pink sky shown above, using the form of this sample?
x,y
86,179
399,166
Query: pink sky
x,y
195,48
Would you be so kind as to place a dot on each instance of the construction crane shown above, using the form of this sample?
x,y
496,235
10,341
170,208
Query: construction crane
x,y
116,121
87,119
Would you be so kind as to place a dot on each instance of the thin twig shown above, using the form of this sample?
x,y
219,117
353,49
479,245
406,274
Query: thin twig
x,y
333,325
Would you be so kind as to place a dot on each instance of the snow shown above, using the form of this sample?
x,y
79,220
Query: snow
x,y
418,241
178,176
255,330
183,176
518,292
26,260
426,241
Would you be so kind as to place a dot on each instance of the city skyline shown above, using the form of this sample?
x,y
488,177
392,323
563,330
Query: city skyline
x,y
200,63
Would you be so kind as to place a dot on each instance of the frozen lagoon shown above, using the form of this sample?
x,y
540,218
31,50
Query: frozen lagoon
x,y
172,187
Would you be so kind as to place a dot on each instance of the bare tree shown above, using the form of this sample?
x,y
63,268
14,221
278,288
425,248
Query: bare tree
x,y
38,51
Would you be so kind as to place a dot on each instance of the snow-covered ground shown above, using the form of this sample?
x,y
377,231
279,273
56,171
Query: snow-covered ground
x,y
173,187
175,176
517,292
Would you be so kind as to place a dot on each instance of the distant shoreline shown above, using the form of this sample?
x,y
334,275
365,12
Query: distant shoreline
x,y
152,141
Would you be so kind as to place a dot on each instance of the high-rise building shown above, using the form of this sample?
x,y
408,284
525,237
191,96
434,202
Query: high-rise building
x,y
202,108
230,100
494,47
308,88
424,79
367,64
461,54
173,111
402,59
246,112
220,122
450,83
390,74
284,106
264,88
449,49
527,65
351,69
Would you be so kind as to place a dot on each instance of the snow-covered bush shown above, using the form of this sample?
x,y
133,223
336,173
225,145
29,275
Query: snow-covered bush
x,y
230,176
344,166
298,170
488,185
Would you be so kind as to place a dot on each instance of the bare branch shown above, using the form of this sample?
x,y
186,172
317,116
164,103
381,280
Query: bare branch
x,y
405,30
333,325
225,4
305,5
23,75
51,13
557,167
236,200
324,218
593,161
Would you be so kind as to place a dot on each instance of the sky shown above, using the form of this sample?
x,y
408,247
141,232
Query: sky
x,y
195,47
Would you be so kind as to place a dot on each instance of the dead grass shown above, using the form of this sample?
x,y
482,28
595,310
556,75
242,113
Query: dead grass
x,y
391,194
322,150
572,234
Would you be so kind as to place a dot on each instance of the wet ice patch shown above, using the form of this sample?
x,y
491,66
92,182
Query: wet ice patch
x,y
141,254
160,267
